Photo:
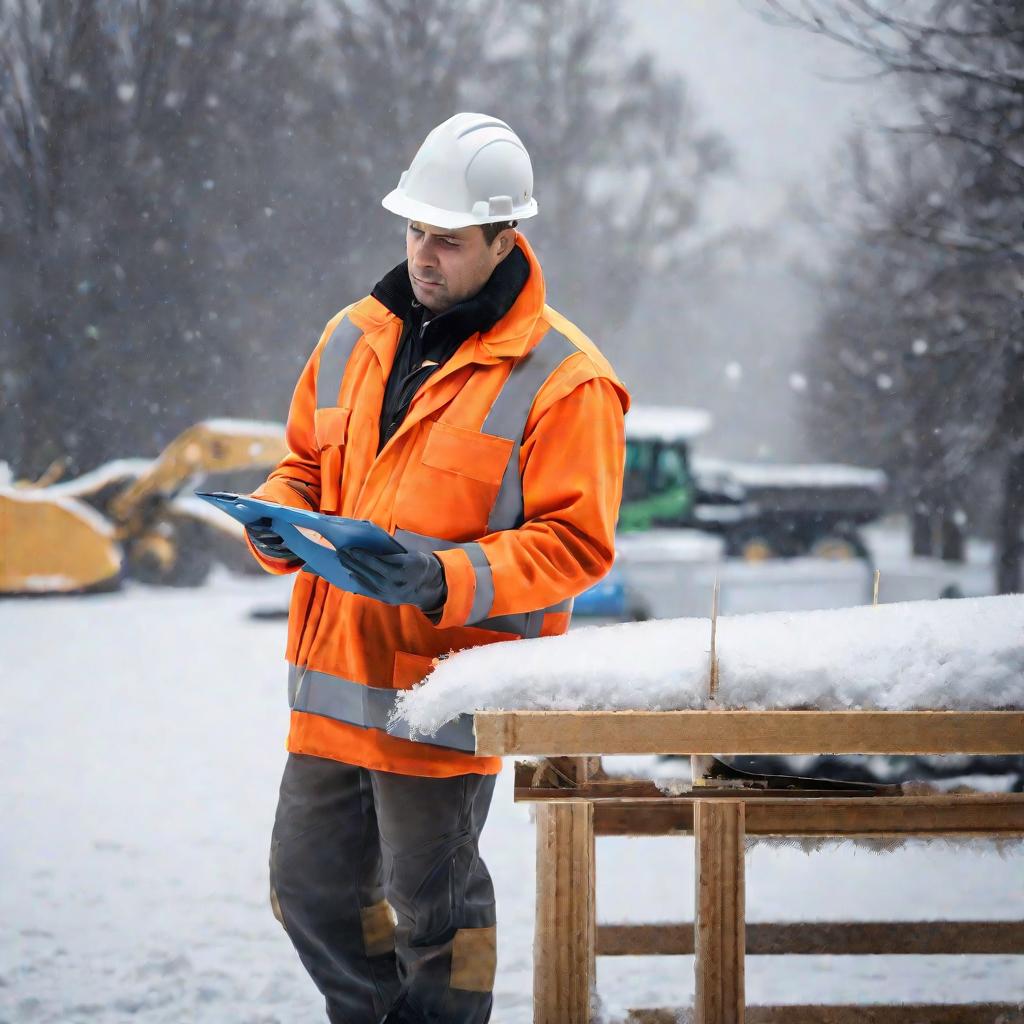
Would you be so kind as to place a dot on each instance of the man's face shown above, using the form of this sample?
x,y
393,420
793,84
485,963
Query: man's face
x,y
447,265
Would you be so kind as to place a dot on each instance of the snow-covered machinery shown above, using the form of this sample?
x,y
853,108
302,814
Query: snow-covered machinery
x,y
133,517
760,510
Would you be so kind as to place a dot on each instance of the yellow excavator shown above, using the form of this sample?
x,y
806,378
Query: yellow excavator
x,y
132,517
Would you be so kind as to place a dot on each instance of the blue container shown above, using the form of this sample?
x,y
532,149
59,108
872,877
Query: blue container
x,y
606,599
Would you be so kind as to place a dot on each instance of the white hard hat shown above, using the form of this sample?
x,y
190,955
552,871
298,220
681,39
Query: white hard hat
x,y
471,169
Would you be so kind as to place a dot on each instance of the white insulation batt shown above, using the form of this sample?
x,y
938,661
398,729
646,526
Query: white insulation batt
x,y
927,655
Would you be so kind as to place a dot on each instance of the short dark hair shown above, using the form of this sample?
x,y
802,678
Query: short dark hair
x,y
491,231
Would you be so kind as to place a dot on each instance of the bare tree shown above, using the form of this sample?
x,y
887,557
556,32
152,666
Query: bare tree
x,y
189,190
112,115
932,278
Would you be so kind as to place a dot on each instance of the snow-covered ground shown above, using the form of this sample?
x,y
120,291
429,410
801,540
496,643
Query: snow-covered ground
x,y
142,737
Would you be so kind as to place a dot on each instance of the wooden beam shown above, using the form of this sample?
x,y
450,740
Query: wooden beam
x,y
961,814
564,969
719,940
749,732
544,780
907,1013
839,938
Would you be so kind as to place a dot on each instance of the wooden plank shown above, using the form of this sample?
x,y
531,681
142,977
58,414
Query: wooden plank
x,y
907,1013
564,969
839,938
546,780
749,732
719,909
966,814
647,939
970,814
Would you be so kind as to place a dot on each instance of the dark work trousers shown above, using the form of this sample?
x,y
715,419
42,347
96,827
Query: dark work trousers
x,y
352,851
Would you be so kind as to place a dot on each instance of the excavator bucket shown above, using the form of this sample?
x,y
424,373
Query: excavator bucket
x,y
54,545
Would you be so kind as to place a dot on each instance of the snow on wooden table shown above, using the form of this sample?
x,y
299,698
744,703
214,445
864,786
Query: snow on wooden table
x,y
965,654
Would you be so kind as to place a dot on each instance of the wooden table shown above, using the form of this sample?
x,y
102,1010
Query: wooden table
x,y
576,801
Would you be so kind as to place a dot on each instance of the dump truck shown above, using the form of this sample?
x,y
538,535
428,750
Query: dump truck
x,y
760,510
133,518
774,535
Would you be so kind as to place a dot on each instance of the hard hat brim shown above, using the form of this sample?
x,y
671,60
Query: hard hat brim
x,y
396,201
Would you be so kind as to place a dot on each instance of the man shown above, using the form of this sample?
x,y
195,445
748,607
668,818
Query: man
x,y
456,410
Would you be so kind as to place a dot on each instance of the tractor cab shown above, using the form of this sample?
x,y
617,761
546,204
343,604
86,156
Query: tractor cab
x,y
659,488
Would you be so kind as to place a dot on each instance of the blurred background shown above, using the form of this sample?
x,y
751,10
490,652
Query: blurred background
x,y
795,229
803,219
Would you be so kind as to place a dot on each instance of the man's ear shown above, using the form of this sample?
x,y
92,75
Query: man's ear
x,y
506,242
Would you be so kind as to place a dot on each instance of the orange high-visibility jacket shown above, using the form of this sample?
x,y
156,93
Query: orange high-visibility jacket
x,y
508,466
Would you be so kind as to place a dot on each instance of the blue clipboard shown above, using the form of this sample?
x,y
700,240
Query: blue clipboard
x,y
300,528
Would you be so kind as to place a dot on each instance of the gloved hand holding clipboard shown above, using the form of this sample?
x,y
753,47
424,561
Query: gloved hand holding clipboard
x,y
314,537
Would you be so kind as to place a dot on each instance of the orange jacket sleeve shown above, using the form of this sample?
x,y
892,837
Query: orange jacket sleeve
x,y
572,468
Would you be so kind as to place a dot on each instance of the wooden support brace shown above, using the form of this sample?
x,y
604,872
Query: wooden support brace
x,y
933,1013
564,947
719,934
968,814
834,938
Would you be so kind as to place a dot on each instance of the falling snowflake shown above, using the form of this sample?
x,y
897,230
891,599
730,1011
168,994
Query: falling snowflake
x,y
884,381
919,346
733,371
798,382
126,92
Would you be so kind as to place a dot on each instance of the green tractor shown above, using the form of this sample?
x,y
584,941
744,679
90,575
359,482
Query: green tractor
x,y
760,510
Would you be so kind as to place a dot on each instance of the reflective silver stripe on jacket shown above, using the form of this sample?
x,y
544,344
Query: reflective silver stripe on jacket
x,y
369,707
334,357
508,415
524,624
507,418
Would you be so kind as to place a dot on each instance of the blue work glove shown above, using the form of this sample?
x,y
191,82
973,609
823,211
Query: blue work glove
x,y
269,543
412,577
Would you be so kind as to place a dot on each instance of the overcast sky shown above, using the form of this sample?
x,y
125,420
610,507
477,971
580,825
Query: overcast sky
x,y
763,87
766,89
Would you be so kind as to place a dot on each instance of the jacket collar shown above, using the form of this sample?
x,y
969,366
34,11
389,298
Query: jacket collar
x,y
477,314
511,335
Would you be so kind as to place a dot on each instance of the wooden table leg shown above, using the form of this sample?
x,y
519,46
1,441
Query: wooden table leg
x,y
719,939
565,935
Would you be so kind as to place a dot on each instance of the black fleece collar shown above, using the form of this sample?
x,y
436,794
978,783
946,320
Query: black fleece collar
x,y
479,313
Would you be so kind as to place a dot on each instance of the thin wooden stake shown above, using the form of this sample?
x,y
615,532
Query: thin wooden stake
x,y
874,589
700,764
713,677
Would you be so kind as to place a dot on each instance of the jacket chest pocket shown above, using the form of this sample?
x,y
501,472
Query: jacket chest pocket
x,y
331,429
449,490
